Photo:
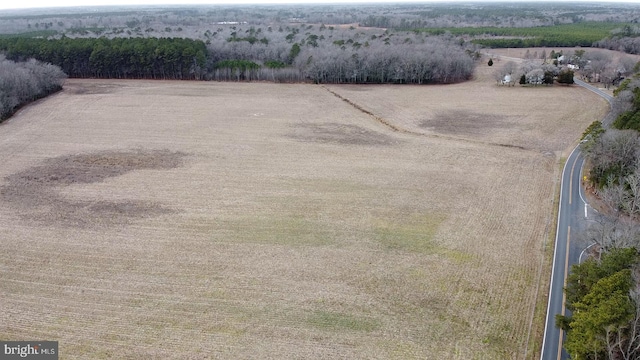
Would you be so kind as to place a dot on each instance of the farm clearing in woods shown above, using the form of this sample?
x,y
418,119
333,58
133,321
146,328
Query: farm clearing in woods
x,y
168,219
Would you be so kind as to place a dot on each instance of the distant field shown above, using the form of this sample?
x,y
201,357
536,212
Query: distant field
x,y
576,34
520,52
150,219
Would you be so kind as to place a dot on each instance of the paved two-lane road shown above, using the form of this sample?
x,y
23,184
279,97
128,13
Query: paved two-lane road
x,y
594,89
572,216
571,207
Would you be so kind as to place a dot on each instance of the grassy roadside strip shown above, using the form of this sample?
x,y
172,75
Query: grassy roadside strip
x,y
536,330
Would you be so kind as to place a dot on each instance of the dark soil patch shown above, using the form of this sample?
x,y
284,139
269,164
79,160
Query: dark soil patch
x,y
33,192
462,122
342,134
88,89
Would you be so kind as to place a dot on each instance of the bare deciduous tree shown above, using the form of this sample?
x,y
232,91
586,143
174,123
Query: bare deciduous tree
x,y
613,156
24,82
506,73
435,61
623,342
535,76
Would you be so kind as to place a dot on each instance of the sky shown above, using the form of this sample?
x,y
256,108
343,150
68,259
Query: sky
x,y
21,4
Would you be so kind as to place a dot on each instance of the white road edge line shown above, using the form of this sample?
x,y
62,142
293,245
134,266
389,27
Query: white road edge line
x,y
553,267
580,192
582,253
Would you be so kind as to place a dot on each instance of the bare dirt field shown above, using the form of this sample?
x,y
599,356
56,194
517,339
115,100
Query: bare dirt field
x,y
187,220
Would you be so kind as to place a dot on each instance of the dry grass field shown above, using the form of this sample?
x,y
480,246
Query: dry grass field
x,y
189,220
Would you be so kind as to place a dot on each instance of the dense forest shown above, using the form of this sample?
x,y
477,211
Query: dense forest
x,y
192,21
114,58
602,292
347,55
582,34
625,39
364,43
23,82
489,24
290,54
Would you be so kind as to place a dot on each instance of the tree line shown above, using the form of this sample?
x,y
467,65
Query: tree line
x,y
583,34
322,54
630,118
159,21
629,45
23,82
625,39
602,293
613,154
432,62
123,58
291,54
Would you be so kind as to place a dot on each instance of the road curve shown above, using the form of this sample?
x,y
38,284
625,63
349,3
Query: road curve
x,y
572,213
594,89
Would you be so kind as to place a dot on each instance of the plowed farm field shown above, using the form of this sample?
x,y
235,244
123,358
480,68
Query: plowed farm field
x,y
188,220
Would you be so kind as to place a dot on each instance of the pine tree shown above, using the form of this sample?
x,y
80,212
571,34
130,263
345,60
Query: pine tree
x,y
565,77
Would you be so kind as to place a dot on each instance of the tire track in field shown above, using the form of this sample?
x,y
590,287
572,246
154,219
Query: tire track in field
x,y
376,117
398,129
